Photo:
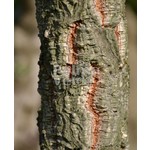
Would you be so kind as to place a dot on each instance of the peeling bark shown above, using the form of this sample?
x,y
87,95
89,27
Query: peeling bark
x,y
84,75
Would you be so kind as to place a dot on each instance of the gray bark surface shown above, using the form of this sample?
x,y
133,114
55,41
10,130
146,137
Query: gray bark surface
x,y
84,75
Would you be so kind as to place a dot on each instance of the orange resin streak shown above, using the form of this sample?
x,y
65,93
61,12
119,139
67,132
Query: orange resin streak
x,y
72,47
92,109
100,8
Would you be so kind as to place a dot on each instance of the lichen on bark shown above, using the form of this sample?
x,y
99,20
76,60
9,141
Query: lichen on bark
x,y
84,77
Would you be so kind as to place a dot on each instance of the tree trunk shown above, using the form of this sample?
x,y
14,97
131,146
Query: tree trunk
x,y
84,76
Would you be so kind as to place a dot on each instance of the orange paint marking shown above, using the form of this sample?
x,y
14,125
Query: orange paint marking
x,y
93,110
100,8
73,53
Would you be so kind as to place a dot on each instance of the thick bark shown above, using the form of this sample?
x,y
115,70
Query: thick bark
x,y
84,77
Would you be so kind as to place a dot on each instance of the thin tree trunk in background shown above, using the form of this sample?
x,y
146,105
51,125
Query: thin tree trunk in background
x,y
84,76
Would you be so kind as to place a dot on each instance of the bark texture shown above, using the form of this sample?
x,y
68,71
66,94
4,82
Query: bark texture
x,y
84,75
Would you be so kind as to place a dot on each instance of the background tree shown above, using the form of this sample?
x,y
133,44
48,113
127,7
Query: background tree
x,y
83,78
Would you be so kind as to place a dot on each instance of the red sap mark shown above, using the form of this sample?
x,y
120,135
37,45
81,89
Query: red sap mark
x,y
71,44
92,108
100,8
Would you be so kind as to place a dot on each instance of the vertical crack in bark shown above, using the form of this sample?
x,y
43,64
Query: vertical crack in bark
x,y
100,8
72,58
91,107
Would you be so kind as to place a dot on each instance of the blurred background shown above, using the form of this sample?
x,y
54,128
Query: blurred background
x,y
27,50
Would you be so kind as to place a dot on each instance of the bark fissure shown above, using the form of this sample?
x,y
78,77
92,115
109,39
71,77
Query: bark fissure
x,y
120,33
73,52
92,108
84,77
100,8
